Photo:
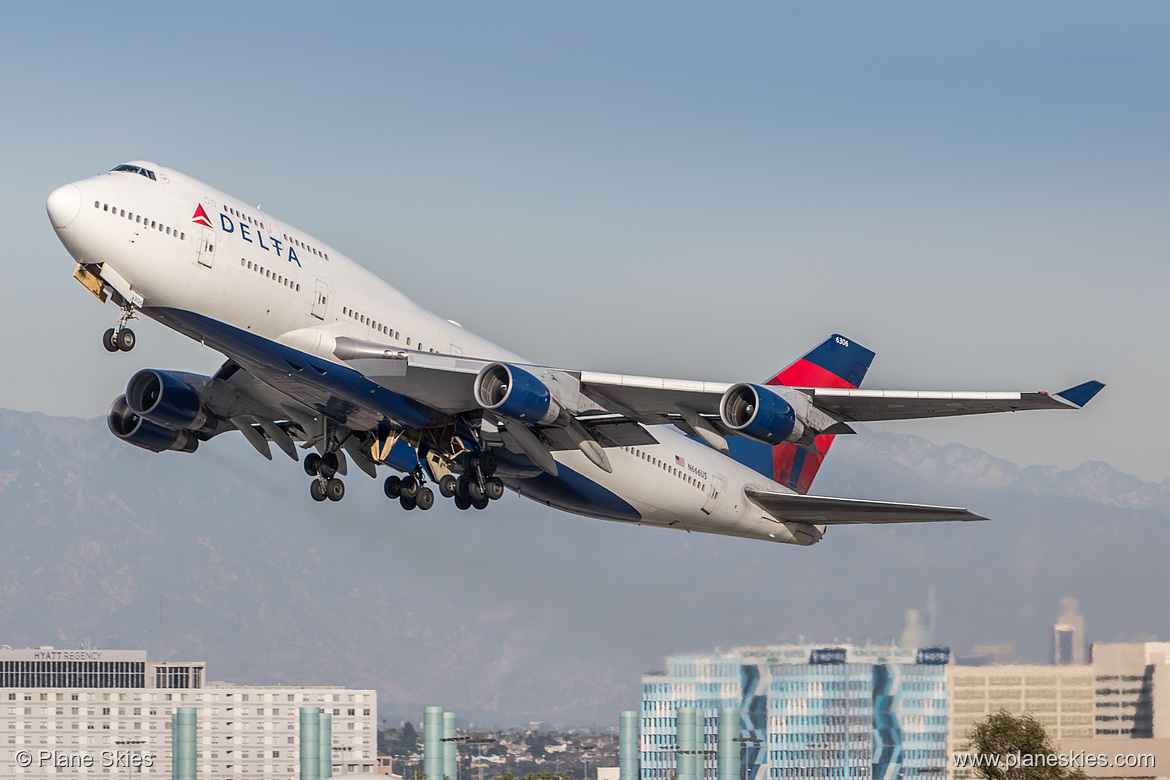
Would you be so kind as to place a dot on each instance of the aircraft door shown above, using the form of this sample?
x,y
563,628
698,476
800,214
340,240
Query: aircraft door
x,y
320,300
718,485
206,252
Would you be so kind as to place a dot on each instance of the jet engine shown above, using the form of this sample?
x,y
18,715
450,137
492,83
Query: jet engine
x,y
166,400
132,428
758,413
514,393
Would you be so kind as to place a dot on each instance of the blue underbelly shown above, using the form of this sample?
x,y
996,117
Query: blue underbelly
x,y
573,492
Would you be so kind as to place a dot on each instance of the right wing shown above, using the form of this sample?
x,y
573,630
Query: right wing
x,y
822,510
880,405
446,381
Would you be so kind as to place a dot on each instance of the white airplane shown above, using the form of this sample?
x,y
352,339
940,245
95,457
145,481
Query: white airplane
x,y
322,352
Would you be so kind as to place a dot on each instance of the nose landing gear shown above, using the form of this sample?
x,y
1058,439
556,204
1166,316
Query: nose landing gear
x,y
120,338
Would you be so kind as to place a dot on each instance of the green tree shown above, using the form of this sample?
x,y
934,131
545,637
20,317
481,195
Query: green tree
x,y
409,737
1022,747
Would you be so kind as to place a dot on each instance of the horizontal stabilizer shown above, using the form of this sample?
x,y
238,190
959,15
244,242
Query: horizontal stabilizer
x,y
1082,393
821,510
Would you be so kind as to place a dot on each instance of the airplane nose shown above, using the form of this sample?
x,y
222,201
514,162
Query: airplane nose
x,y
63,205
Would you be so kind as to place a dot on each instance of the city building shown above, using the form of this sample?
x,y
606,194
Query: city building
x,y
1059,697
1122,694
110,704
860,712
1068,635
1132,697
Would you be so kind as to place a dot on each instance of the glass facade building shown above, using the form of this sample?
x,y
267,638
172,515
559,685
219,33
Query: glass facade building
x,y
806,711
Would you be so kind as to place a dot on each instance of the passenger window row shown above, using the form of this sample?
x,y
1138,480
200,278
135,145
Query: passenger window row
x,y
653,461
149,224
270,274
294,241
381,327
304,246
241,215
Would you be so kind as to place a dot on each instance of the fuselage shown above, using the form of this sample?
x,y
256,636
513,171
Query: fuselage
x,y
170,244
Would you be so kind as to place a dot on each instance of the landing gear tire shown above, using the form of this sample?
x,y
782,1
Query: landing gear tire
x,y
425,499
393,486
317,490
334,489
311,463
487,463
447,485
461,488
470,462
474,493
495,488
110,340
407,502
462,502
408,487
480,503
329,464
126,340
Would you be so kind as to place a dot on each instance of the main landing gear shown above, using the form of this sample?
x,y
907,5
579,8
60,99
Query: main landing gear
x,y
323,468
478,486
120,338
410,491
475,487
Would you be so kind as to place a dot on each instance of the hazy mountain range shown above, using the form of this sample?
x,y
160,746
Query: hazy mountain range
x,y
520,613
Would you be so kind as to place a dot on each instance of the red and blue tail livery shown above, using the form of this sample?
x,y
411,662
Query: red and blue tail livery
x,y
835,362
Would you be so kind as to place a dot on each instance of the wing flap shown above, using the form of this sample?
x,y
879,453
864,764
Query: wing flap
x,y
823,510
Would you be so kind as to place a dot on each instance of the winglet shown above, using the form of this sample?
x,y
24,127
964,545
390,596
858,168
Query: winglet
x,y
1082,393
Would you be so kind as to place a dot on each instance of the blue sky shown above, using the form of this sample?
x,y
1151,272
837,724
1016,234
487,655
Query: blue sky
x,y
976,192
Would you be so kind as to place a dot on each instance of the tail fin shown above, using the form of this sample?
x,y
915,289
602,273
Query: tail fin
x,y
836,362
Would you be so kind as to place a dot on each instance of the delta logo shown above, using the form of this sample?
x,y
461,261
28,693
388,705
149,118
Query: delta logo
x,y
200,216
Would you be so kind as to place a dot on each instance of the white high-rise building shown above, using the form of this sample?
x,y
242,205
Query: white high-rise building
x,y
89,712
1068,635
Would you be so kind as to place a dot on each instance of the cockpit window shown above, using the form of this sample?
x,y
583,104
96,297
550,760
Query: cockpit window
x,y
135,169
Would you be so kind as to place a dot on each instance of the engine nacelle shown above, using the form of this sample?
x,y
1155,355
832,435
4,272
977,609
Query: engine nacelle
x,y
756,412
514,393
166,400
132,428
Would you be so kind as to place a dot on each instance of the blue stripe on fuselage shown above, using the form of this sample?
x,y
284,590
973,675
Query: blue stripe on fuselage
x,y
574,492
333,389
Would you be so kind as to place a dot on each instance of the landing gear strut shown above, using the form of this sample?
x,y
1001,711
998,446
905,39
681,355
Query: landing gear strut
x,y
477,487
325,485
120,338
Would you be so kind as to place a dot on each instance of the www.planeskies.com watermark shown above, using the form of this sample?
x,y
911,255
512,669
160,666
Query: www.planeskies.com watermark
x,y
1071,759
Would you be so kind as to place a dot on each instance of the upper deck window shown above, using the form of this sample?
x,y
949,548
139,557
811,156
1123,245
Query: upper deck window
x,y
134,169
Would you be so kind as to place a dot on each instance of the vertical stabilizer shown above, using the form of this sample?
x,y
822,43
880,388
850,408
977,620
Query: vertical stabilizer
x,y
835,362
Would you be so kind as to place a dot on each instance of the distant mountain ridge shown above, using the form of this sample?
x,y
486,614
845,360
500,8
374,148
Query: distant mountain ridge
x,y
521,613
966,467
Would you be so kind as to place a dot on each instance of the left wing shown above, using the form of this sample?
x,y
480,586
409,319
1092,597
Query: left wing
x,y
821,510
